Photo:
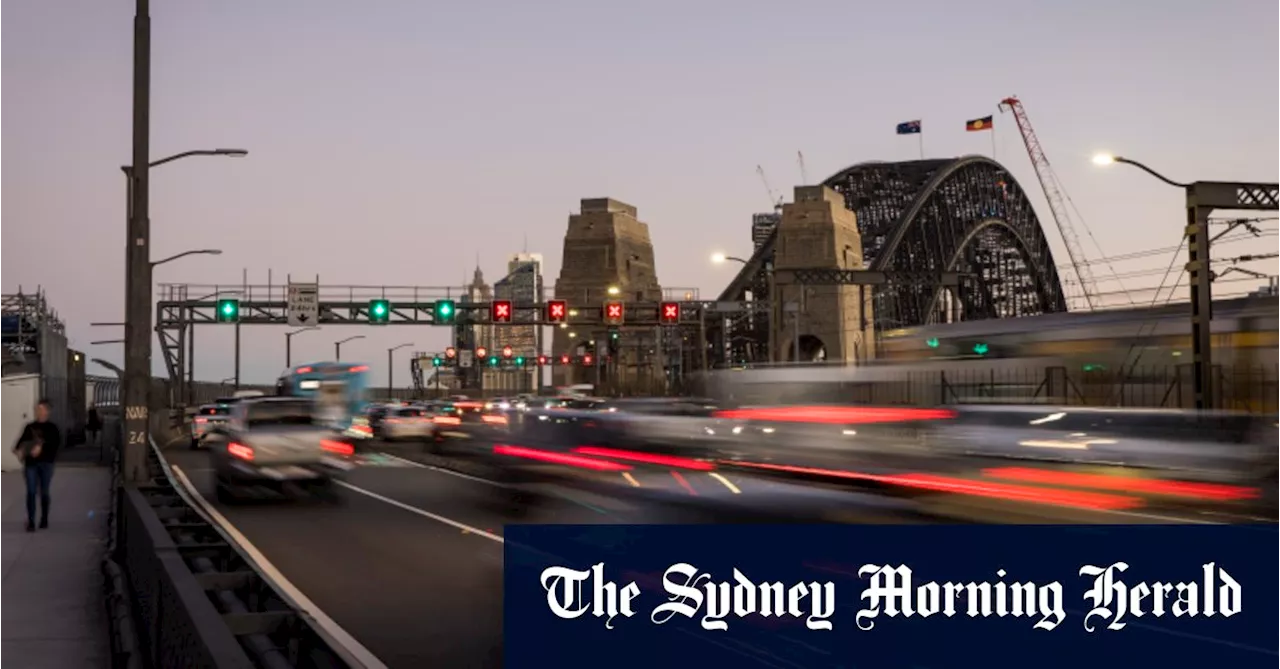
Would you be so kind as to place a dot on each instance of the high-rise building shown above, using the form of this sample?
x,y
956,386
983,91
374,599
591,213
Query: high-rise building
x,y
480,334
762,226
522,285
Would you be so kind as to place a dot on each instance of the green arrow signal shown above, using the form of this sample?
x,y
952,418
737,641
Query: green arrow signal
x,y
932,342
980,349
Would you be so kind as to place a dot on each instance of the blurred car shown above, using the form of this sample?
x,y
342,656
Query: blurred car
x,y
274,444
407,423
208,417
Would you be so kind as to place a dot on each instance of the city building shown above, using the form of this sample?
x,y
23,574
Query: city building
x,y
762,226
478,335
521,285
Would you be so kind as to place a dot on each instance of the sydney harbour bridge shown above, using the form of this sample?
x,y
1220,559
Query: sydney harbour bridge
x,y
918,221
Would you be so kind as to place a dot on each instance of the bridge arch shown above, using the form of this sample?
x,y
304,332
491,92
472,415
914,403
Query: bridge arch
x,y
965,214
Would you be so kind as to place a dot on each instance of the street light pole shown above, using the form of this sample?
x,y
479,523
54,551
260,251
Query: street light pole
x,y
288,344
337,347
391,370
137,359
1201,199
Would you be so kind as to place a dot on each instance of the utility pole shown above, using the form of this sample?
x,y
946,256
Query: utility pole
x,y
137,361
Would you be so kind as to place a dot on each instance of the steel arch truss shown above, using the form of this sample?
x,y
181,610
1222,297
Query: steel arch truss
x,y
966,215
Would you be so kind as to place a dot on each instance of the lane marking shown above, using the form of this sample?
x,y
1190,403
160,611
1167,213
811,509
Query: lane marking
x,y
442,470
298,601
425,514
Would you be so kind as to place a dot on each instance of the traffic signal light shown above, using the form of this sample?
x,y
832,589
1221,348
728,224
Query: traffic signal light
x,y
564,359
444,312
507,351
669,313
437,361
931,342
557,311
481,352
228,311
500,311
451,353
520,361
379,311
613,312
587,360
981,349
493,361
542,360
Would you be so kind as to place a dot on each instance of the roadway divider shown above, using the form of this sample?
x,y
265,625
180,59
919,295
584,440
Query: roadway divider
x,y
182,592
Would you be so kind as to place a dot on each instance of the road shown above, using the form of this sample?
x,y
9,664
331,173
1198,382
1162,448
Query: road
x,y
409,561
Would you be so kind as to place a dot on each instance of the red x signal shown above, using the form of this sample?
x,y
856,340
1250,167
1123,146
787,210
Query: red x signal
x,y
500,311
670,312
613,313
557,310
481,352
542,360
564,359
586,360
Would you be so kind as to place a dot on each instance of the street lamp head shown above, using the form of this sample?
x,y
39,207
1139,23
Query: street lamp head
x,y
718,258
231,153
1104,159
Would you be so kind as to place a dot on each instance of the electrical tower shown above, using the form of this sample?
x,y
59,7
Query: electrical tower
x,y
1053,192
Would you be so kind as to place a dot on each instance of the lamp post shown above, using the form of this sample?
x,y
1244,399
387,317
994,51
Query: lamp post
x,y
288,345
337,347
194,252
137,381
775,311
391,370
1201,199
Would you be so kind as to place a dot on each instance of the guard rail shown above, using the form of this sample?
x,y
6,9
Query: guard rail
x,y
183,593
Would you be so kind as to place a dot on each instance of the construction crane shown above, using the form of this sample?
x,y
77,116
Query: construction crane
x,y
804,174
1055,194
774,198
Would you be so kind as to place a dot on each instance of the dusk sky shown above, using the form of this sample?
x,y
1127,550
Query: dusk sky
x,y
392,141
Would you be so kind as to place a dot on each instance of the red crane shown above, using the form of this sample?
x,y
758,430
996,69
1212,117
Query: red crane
x,y
1054,193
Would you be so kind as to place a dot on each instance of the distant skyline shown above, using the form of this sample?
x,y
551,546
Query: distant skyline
x,y
392,142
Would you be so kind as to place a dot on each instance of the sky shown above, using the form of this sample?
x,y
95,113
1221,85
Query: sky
x,y
392,142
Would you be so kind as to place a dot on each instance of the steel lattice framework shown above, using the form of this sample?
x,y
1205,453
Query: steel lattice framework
x,y
925,217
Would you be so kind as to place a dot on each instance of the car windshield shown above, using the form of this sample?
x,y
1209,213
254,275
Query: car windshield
x,y
409,412
289,412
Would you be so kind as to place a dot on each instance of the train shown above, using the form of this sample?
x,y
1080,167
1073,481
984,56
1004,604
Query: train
x,y
1121,358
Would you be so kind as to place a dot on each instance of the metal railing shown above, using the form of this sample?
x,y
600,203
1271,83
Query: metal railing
x,y
182,593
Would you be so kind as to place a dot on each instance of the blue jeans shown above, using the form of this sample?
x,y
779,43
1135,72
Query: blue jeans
x,y
39,475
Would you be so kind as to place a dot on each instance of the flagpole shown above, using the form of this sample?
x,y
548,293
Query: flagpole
x,y
992,130
921,134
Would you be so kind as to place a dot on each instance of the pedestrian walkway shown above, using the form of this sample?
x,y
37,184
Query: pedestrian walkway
x,y
53,610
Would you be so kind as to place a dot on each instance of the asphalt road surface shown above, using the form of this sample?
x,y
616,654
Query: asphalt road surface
x,y
409,559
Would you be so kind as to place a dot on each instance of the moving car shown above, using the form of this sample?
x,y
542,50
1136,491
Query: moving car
x,y
207,418
408,422
273,444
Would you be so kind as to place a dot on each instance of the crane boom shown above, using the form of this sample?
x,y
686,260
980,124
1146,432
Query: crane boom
x,y
1052,193
773,197
804,173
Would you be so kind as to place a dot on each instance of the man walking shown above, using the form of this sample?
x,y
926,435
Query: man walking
x,y
38,450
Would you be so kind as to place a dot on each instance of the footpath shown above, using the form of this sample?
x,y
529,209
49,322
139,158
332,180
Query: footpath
x,y
53,608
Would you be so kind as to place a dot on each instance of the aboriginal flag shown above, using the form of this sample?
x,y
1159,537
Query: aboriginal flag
x,y
978,124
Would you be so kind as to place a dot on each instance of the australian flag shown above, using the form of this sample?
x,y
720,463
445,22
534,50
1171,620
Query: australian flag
x,y
909,128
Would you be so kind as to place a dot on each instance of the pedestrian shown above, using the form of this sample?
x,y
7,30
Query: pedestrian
x,y
38,450
93,425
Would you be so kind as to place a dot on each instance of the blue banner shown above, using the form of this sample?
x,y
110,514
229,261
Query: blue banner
x,y
921,597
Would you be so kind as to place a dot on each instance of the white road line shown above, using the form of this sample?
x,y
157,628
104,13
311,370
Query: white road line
x,y
425,514
442,470
301,602
1176,520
